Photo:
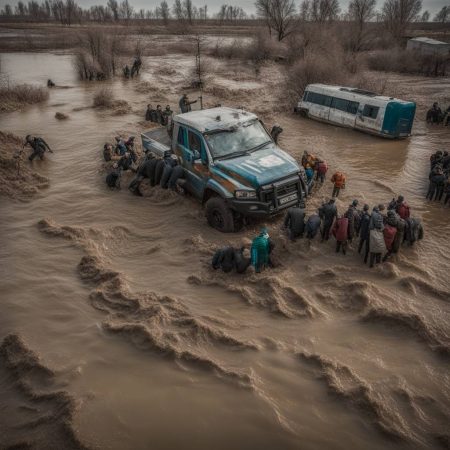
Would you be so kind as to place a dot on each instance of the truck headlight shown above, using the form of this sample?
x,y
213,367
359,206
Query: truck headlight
x,y
245,195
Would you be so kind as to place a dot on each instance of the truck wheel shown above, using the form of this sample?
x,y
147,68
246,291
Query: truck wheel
x,y
219,216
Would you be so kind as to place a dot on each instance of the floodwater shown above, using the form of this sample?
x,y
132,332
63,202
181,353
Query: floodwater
x,y
115,296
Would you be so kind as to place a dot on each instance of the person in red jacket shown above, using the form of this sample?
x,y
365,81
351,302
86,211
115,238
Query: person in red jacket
x,y
340,232
321,170
400,207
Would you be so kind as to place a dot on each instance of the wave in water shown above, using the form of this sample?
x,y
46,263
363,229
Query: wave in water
x,y
38,416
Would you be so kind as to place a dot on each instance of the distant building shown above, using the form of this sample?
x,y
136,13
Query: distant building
x,y
428,46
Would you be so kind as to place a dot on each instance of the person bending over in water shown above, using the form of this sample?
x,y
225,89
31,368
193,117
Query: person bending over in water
x,y
229,258
295,221
312,226
113,179
38,145
261,249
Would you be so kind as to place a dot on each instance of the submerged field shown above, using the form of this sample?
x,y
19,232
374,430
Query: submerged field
x,y
115,313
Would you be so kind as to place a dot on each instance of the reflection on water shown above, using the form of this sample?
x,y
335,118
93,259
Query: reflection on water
x,y
322,324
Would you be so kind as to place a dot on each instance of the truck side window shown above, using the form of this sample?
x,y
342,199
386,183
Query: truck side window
x,y
194,142
180,139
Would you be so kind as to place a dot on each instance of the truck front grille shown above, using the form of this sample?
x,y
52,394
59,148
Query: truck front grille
x,y
272,194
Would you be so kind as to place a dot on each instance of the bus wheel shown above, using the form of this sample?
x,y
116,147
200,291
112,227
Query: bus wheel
x,y
219,216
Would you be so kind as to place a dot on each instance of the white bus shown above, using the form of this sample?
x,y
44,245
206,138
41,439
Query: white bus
x,y
355,108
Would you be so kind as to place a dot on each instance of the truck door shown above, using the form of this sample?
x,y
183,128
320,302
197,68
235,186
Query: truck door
x,y
192,151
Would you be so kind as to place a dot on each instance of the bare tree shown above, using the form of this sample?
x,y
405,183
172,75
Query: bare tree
x,y
113,5
398,14
322,11
164,12
425,16
6,11
279,15
443,15
188,11
304,11
177,9
126,10
359,13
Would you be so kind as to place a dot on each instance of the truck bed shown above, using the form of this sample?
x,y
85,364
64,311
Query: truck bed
x,y
157,141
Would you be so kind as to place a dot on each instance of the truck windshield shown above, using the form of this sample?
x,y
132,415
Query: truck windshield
x,y
237,140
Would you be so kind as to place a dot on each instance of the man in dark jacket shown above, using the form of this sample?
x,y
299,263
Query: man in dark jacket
x,y
275,132
295,222
377,219
413,231
185,104
241,261
312,226
364,233
327,213
224,259
436,182
353,220
38,145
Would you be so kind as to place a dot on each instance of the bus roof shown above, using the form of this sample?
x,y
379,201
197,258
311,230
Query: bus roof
x,y
214,119
355,92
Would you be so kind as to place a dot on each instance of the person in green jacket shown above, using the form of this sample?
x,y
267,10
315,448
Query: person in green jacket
x,y
260,251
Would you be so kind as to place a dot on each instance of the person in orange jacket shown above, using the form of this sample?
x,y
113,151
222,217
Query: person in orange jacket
x,y
339,183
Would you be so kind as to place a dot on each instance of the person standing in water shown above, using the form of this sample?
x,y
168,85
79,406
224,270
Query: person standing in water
x,y
38,145
338,180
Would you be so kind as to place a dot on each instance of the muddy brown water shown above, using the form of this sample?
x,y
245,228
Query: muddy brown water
x,y
114,294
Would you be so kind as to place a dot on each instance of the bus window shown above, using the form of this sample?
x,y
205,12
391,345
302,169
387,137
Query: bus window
x,y
370,111
319,99
340,104
352,107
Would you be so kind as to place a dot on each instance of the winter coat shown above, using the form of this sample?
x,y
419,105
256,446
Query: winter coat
x,y
328,212
399,236
389,233
295,220
340,229
413,231
376,243
241,262
313,225
364,231
224,259
338,179
351,214
322,167
260,251
402,210
376,221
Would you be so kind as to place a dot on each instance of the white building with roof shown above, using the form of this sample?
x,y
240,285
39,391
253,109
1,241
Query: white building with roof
x,y
428,46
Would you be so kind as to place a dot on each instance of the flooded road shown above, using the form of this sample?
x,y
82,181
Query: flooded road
x,y
115,295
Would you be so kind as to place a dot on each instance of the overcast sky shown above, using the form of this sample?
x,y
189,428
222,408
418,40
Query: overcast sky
x,y
432,6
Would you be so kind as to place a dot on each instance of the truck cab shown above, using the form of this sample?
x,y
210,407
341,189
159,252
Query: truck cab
x,y
231,165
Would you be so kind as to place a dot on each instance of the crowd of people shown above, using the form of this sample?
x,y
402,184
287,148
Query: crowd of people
x,y
158,115
436,116
439,177
380,233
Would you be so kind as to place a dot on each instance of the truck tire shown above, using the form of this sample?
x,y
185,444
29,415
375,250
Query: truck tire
x,y
219,216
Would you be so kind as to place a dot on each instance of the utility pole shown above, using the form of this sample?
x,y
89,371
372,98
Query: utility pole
x,y
199,71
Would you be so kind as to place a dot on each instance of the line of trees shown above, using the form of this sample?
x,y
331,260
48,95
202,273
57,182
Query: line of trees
x,y
68,12
282,16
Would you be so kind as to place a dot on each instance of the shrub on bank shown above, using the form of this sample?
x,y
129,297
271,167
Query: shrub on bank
x,y
103,98
18,96
407,61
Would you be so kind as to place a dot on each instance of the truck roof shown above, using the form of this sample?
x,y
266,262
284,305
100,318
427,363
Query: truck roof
x,y
212,119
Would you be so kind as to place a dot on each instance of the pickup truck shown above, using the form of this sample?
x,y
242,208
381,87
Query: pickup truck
x,y
231,165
